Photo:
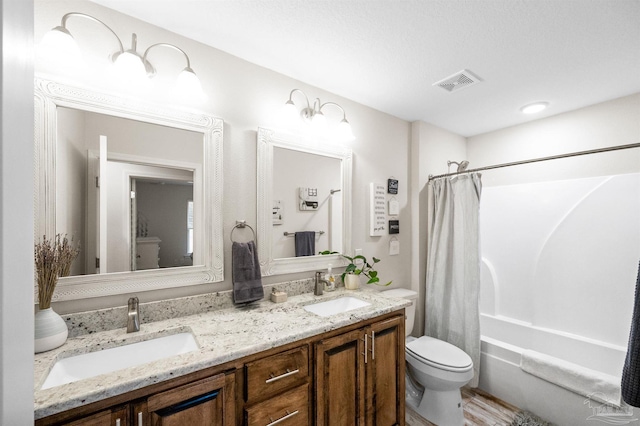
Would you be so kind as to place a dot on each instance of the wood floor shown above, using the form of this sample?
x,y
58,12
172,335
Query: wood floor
x,y
480,409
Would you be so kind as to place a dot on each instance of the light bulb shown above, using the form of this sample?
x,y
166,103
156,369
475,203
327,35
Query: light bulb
x,y
289,110
129,65
129,72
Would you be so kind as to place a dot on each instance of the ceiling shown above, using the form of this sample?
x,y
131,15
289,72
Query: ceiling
x,y
387,54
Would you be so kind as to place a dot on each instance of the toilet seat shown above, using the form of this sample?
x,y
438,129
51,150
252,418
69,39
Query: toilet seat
x,y
439,354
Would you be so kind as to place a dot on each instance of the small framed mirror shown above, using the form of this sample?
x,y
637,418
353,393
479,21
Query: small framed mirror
x,y
304,203
137,185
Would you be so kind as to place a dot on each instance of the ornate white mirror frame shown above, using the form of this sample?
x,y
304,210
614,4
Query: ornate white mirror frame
x,y
48,96
267,141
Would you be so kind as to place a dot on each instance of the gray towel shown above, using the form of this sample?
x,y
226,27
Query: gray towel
x,y
246,275
305,243
631,370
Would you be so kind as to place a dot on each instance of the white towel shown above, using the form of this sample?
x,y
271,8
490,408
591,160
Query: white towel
x,y
581,380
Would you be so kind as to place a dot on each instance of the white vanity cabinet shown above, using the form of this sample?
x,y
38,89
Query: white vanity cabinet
x,y
147,253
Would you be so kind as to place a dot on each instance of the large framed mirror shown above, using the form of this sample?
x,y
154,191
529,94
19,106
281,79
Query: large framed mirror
x,y
304,203
137,185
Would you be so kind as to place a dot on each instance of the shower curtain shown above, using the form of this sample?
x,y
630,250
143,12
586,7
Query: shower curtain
x,y
453,266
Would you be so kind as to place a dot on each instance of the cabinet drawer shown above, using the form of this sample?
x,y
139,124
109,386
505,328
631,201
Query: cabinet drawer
x,y
287,409
268,376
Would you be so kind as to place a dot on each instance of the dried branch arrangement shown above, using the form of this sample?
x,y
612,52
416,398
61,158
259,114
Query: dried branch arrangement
x,y
53,259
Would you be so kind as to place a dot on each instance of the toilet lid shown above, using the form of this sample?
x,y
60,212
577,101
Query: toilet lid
x,y
439,352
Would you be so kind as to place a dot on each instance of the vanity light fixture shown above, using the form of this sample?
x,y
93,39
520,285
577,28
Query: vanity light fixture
x,y
534,107
127,64
315,116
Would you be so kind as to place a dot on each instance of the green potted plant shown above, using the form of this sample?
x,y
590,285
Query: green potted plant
x,y
358,265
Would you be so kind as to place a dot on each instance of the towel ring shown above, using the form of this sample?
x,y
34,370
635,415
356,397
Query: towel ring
x,y
242,224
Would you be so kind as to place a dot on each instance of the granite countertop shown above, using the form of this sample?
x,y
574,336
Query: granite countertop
x,y
222,335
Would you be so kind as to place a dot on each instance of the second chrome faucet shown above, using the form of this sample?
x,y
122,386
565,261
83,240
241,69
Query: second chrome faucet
x,y
319,284
133,315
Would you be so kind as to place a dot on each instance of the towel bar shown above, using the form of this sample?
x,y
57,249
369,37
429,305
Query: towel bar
x,y
292,234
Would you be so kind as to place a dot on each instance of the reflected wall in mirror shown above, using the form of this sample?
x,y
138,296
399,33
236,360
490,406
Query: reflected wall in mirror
x,y
154,158
137,184
304,193
162,221
302,185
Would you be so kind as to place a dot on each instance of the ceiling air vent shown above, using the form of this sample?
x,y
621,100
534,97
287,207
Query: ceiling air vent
x,y
457,81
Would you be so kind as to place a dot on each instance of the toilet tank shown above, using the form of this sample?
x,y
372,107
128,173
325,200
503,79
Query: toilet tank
x,y
410,311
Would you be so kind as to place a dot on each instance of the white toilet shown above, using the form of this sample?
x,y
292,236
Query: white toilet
x,y
441,368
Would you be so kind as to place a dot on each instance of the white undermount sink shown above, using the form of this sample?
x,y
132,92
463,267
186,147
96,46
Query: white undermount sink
x,y
92,364
336,306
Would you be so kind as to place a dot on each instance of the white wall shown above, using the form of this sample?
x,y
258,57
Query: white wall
x,y
616,122
143,139
246,97
16,214
431,147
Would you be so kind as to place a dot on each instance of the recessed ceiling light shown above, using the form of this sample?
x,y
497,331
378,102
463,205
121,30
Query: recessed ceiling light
x,y
533,108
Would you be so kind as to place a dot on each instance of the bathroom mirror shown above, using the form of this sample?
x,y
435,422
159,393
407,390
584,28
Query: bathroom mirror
x,y
303,186
136,184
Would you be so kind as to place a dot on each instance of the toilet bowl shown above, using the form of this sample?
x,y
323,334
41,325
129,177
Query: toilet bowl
x,y
437,366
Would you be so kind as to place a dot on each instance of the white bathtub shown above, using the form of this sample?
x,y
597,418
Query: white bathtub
x,y
559,264
504,340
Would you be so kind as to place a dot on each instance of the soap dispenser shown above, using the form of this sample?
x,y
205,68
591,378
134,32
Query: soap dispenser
x,y
331,279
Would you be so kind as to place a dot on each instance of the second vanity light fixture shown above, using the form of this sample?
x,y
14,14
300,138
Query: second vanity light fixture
x,y
313,114
127,63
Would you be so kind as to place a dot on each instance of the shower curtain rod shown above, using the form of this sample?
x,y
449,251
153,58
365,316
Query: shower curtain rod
x,y
535,160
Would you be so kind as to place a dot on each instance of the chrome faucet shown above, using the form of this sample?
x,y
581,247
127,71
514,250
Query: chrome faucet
x,y
133,316
320,283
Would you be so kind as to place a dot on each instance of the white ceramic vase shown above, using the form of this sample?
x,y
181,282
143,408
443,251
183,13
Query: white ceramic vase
x,y
50,330
352,282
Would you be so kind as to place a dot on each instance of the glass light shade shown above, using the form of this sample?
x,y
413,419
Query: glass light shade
x,y
188,85
289,110
59,49
344,131
129,65
129,73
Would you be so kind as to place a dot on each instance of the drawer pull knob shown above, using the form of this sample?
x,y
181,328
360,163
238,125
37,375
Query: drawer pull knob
x,y
282,376
281,419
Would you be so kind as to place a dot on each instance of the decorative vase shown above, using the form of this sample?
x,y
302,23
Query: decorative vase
x,y
50,330
352,282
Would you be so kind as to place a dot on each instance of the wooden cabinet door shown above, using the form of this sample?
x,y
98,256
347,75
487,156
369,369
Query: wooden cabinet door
x,y
113,417
340,381
385,373
208,401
